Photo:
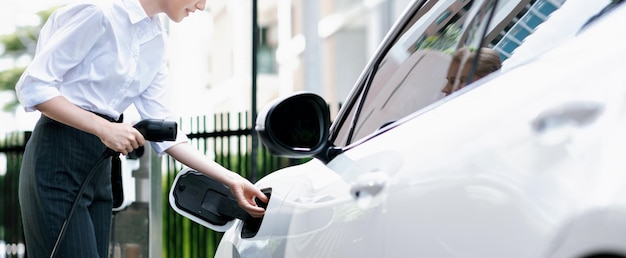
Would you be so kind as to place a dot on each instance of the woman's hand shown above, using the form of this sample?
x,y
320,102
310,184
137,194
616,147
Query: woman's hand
x,y
245,194
121,137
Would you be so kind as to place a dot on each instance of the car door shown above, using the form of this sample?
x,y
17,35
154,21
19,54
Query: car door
x,y
494,170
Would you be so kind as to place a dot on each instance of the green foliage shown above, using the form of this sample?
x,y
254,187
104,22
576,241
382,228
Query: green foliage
x,y
17,43
45,14
443,42
12,43
8,78
15,46
11,105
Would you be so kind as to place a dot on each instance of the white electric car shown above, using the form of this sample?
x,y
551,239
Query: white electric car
x,y
529,161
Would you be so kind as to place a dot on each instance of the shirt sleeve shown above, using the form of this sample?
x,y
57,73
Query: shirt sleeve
x,y
63,42
153,103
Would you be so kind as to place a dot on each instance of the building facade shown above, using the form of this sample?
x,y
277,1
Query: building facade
x,y
317,46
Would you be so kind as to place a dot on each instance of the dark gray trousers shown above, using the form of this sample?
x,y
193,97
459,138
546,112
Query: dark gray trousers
x,y
56,162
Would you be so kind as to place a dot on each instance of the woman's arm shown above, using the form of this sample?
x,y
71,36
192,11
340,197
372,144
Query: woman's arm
x,y
120,137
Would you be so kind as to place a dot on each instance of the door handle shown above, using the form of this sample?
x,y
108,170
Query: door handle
x,y
572,114
369,184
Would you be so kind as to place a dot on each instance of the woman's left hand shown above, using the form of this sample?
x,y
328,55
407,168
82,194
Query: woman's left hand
x,y
245,193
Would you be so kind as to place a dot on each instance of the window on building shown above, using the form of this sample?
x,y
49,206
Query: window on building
x,y
266,55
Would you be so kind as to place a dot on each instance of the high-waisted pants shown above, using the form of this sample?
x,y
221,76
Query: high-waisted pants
x,y
56,161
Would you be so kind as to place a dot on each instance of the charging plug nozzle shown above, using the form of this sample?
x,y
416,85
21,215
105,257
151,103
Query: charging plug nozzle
x,y
157,130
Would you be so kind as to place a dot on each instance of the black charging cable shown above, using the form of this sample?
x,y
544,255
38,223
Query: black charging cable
x,y
106,154
154,130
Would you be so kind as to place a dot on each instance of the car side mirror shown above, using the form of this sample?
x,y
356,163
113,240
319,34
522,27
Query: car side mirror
x,y
296,126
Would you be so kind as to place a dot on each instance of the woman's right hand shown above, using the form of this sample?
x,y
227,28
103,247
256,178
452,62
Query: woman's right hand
x,y
121,137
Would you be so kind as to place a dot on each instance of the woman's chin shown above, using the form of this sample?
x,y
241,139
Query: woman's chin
x,y
177,19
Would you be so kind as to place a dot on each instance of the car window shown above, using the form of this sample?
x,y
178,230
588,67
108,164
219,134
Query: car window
x,y
413,72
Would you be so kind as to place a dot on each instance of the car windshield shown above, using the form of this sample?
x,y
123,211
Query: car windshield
x,y
417,67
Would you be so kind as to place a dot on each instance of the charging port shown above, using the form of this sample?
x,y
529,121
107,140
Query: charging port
x,y
210,203
251,225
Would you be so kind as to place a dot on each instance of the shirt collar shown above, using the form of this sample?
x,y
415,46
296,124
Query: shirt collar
x,y
135,11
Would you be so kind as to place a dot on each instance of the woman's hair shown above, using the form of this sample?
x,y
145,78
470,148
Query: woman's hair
x,y
488,61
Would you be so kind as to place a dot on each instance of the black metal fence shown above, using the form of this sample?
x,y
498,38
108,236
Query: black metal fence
x,y
226,137
11,233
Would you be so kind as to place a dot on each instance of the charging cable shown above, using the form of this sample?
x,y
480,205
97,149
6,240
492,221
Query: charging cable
x,y
106,154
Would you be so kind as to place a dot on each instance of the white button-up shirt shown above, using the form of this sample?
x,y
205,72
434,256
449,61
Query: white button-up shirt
x,y
102,56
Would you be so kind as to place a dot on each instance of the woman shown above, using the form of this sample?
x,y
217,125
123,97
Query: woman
x,y
93,60
488,61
